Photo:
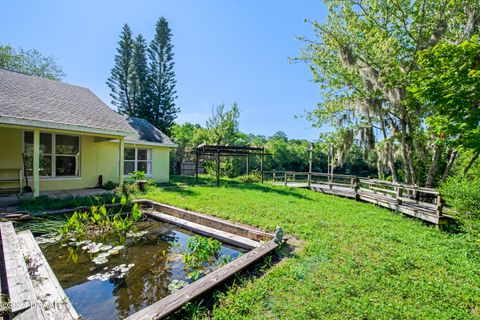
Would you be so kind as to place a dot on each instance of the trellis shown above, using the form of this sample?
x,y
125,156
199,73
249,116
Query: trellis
x,y
228,151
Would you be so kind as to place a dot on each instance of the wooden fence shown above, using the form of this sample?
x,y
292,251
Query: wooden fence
x,y
423,203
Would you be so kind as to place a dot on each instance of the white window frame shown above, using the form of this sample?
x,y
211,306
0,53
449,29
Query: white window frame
x,y
135,161
54,155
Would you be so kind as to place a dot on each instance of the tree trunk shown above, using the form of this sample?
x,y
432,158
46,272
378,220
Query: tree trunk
x,y
389,152
437,151
453,157
407,152
471,162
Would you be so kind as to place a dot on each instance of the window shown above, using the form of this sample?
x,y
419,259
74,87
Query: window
x,y
138,159
59,154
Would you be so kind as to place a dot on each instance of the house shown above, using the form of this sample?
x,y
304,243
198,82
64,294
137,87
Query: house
x,y
62,136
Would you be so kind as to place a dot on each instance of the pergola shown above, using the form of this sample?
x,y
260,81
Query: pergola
x,y
228,151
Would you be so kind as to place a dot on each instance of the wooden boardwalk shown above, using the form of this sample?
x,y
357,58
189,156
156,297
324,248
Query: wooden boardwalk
x,y
37,296
422,203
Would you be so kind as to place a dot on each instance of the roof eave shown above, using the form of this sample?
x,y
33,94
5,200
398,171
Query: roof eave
x,y
149,143
13,121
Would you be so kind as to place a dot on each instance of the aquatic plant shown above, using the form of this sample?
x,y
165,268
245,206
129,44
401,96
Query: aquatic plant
x,y
99,220
176,285
200,255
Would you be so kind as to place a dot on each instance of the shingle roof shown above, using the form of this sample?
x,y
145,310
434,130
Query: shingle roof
x,y
52,102
146,132
34,98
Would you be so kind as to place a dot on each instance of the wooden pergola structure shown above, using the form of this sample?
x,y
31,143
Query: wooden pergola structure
x,y
228,151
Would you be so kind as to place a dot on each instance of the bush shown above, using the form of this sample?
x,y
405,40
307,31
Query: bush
x,y
463,194
251,178
110,185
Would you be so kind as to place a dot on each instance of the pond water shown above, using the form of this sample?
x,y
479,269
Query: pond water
x,y
112,278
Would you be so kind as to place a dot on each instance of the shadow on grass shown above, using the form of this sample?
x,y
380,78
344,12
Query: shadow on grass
x,y
231,183
267,188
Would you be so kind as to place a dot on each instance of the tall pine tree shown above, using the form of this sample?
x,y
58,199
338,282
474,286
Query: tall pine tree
x,y
139,83
162,78
120,79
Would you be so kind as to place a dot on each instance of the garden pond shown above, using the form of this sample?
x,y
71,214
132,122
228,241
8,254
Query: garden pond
x,y
113,276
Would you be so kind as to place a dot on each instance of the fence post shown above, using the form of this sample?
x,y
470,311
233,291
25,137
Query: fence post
x,y
274,177
399,195
285,178
355,183
439,205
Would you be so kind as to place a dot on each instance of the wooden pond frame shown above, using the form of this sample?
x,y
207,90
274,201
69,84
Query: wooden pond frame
x,y
24,292
261,243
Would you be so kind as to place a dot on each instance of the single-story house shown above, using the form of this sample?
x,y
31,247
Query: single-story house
x,y
62,136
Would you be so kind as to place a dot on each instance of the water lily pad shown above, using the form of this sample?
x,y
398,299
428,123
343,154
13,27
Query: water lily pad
x,y
105,247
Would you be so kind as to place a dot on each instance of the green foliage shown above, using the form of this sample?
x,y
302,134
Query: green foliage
x,y
121,74
364,56
201,253
31,62
142,81
251,178
223,125
45,203
448,84
162,76
350,254
463,195
110,185
137,176
99,220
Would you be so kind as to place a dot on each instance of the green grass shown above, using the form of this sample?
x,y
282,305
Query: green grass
x,y
44,203
357,261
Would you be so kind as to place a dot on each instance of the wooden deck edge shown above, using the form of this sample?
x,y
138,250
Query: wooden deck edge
x,y
209,221
411,212
174,301
49,293
225,237
419,212
14,271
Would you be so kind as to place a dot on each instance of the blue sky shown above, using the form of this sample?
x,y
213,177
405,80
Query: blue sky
x,y
225,51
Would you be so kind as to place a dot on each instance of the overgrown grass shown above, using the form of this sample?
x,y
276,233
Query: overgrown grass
x,y
358,260
44,203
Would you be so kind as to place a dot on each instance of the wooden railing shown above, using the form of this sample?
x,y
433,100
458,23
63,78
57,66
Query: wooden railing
x,y
410,199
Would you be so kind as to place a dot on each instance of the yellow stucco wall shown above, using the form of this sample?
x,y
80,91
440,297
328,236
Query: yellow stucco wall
x,y
96,158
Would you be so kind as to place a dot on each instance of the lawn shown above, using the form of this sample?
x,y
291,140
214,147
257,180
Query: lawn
x,y
357,261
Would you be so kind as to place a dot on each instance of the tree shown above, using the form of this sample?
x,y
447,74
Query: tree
x,y
279,135
31,62
447,83
364,57
140,84
120,80
162,77
223,125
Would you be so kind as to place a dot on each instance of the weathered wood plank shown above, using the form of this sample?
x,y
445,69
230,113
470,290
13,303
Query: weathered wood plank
x,y
174,301
48,291
413,207
19,286
213,222
223,236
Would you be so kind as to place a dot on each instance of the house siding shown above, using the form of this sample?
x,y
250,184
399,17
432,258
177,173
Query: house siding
x,y
96,158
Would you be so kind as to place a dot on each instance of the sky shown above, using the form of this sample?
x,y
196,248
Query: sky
x,y
225,52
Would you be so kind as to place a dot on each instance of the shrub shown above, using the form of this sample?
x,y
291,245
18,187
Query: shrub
x,y
463,194
251,178
110,185
137,176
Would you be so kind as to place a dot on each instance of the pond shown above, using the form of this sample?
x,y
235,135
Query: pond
x,y
112,277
